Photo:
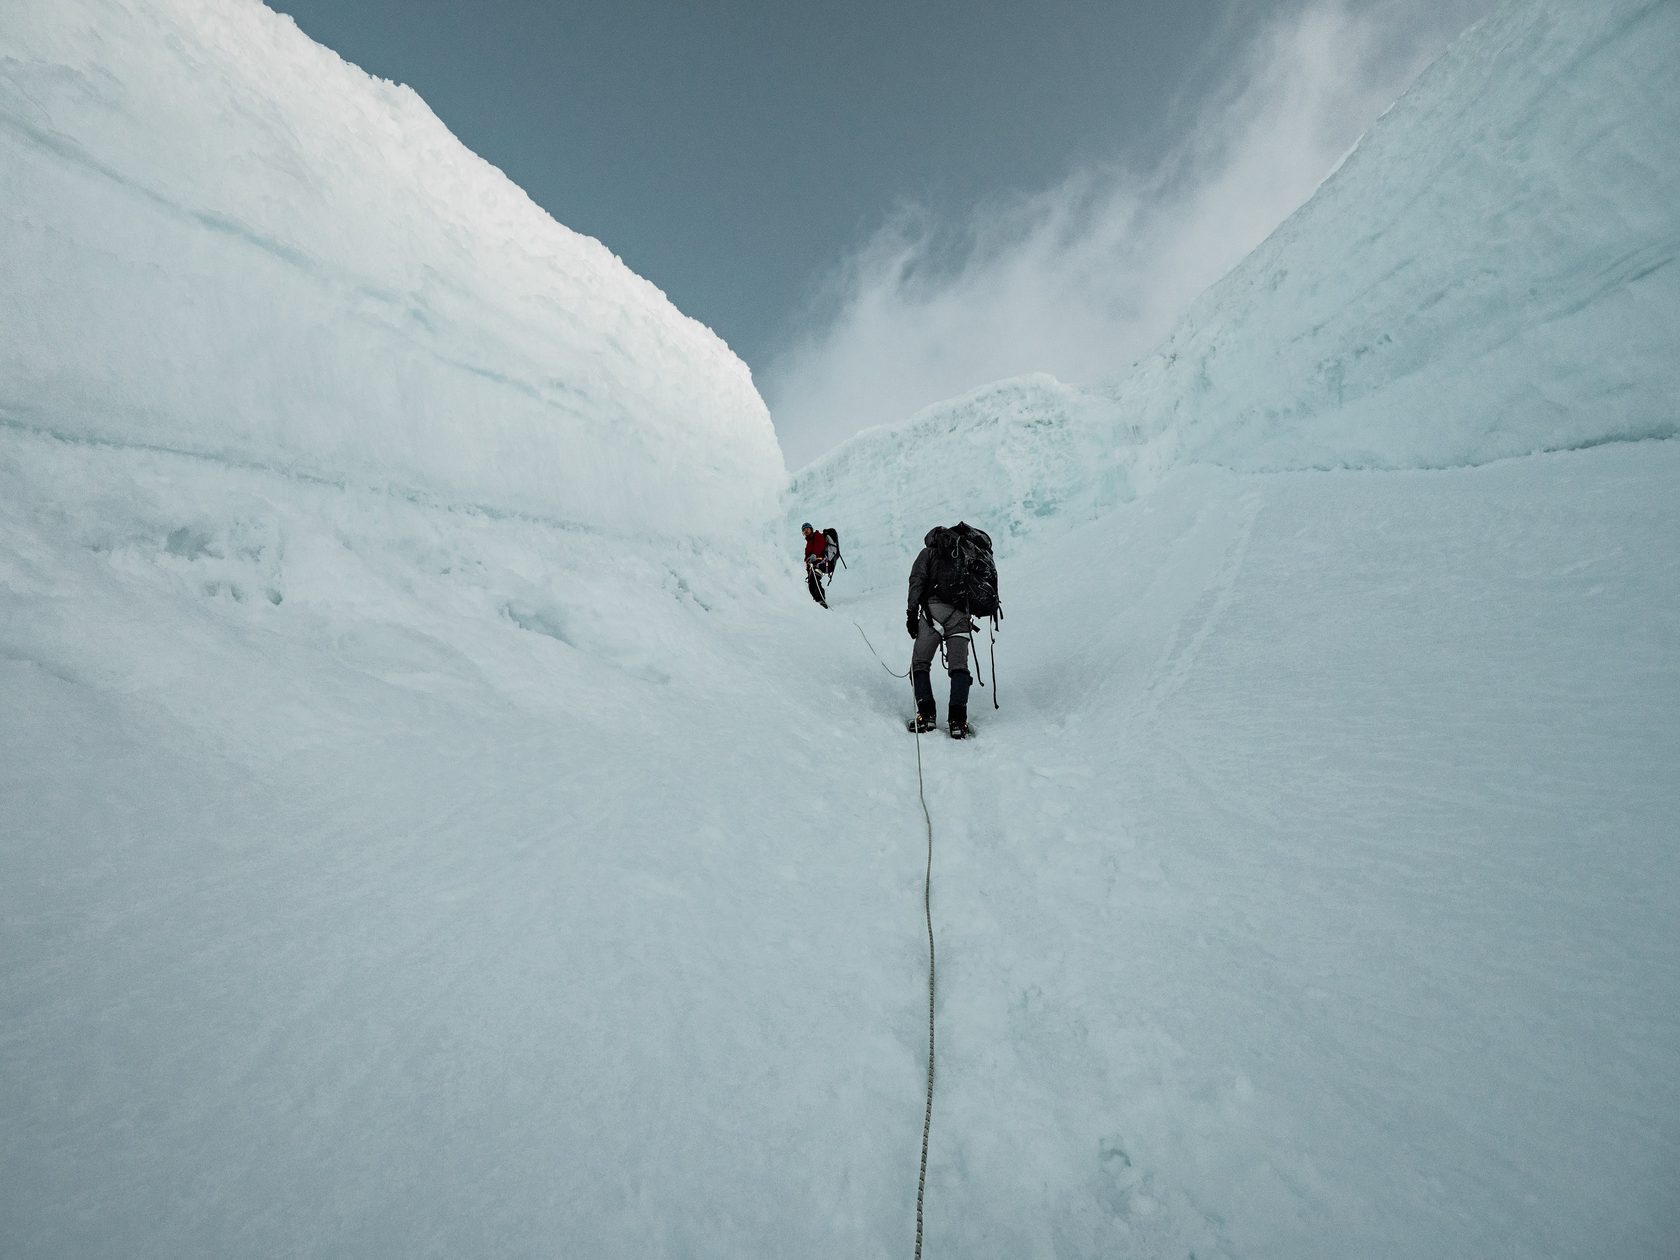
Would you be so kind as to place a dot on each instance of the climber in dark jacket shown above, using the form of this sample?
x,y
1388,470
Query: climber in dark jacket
x,y
933,617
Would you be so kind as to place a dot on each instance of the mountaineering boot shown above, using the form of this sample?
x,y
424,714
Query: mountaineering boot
x,y
960,679
927,713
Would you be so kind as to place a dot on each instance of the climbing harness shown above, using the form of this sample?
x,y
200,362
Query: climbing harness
x,y
969,635
977,678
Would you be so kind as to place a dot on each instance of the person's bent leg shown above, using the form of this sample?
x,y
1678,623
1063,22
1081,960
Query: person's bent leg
x,y
956,625
921,663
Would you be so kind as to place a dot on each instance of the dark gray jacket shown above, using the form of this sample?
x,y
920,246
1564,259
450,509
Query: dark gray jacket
x,y
924,577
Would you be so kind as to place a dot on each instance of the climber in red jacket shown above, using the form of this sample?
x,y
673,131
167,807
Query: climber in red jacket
x,y
819,561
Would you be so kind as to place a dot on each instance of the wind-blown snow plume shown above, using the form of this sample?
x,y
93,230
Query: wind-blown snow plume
x,y
1080,279
1491,272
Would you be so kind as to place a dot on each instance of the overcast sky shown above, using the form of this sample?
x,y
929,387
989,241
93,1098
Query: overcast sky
x,y
882,204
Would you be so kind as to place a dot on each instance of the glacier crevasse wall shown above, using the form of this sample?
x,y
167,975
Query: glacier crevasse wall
x,y
1490,273
218,238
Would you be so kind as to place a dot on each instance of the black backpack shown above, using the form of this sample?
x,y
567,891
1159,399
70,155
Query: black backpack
x,y
965,572
833,536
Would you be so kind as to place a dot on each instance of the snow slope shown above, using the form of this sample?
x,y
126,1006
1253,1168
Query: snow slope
x,y
412,842
1312,892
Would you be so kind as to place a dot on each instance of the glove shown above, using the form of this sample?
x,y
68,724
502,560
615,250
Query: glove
x,y
913,623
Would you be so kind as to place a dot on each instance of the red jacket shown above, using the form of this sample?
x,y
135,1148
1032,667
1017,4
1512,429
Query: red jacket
x,y
816,546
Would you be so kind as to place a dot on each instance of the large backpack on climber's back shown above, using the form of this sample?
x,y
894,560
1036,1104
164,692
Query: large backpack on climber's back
x,y
964,571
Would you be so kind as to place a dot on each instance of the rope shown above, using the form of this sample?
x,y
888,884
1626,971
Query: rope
x,y
927,909
895,674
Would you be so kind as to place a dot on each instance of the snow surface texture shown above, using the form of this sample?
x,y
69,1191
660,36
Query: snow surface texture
x,y
221,239
390,866
1490,273
1312,894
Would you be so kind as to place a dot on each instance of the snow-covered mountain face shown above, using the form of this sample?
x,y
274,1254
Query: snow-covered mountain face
x,y
1489,273
218,239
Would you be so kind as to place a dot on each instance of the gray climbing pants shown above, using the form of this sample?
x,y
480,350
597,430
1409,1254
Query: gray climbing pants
x,y
953,623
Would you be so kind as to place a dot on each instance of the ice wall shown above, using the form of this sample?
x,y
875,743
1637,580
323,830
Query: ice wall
x,y
218,238
1008,455
1490,273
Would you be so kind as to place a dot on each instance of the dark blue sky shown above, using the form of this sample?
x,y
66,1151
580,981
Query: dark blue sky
x,y
734,152
881,205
